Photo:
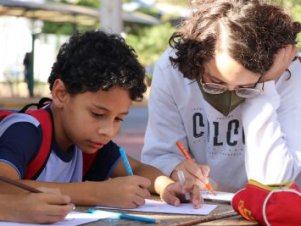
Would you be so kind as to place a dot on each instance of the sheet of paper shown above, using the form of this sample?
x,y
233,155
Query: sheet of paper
x,y
153,206
220,196
73,218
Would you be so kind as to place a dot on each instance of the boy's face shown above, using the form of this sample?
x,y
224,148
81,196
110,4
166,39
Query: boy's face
x,y
91,119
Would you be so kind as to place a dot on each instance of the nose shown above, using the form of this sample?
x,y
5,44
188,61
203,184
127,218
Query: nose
x,y
107,129
231,88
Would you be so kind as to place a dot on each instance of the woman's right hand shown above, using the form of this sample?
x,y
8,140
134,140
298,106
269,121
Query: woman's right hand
x,y
193,172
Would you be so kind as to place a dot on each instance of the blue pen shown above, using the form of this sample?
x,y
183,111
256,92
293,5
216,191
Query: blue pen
x,y
126,216
126,161
138,218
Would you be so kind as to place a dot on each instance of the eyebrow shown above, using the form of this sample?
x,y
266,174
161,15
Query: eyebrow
x,y
245,85
105,109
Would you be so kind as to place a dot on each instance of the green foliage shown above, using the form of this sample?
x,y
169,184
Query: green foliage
x,y
294,9
89,3
62,28
150,42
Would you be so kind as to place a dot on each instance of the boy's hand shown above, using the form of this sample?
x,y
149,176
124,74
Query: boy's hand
x,y
282,60
194,173
124,192
40,208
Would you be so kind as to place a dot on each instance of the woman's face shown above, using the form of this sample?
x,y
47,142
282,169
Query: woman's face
x,y
224,70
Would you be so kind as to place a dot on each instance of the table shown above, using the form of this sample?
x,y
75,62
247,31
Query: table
x,y
174,219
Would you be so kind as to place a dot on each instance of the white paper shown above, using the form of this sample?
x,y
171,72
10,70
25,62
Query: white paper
x,y
153,206
73,218
219,196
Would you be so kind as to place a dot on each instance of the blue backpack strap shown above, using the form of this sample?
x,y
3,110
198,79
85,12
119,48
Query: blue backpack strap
x,y
35,167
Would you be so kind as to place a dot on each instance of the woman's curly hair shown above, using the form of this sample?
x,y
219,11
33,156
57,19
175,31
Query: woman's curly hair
x,y
250,31
95,61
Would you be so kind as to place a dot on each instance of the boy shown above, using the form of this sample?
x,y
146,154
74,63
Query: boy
x,y
93,83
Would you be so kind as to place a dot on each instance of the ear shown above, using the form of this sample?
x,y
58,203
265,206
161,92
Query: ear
x,y
59,93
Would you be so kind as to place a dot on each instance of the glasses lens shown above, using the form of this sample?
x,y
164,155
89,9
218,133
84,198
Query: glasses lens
x,y
213,88
248,92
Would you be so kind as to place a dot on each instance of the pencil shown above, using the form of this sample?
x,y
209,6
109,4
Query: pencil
x,y
181,177
126,161
19,185
187,156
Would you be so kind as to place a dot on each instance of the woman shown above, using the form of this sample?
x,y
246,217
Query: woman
x,y
222,90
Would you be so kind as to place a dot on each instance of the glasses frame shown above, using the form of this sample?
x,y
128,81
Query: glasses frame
x,y
209,87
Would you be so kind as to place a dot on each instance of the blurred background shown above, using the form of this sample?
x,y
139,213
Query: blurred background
x,y
31,33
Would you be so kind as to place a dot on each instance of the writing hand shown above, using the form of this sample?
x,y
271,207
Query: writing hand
x,y
194,173
124,192
47,207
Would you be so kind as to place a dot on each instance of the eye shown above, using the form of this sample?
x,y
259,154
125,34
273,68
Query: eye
x,y
210,79
119,119
97,115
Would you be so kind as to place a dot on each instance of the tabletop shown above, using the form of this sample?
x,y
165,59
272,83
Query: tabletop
x,y
176,219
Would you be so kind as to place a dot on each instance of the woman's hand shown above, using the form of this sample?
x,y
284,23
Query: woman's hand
x,y
173,193
194,173
281,62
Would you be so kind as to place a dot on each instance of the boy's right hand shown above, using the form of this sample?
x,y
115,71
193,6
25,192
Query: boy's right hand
x,y
125,192
43,208
194,173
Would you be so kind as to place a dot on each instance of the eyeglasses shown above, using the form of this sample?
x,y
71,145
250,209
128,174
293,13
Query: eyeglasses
x,y
215,88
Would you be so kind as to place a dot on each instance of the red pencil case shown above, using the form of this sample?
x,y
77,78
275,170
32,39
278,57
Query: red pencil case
x,y
274,205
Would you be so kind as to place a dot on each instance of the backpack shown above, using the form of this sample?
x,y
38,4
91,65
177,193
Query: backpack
x,y
37,164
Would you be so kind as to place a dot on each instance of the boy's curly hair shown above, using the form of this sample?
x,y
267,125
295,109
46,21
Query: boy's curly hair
x,y
95,61
250,31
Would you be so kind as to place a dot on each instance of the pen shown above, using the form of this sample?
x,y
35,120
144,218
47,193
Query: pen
x,y
138,218
181,177
187,156
19,185
125,161
127,216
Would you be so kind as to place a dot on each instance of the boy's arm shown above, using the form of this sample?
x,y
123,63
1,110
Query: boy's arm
x,y
123,192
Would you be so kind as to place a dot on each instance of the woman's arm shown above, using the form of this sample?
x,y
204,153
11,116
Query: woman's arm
x,y
272,129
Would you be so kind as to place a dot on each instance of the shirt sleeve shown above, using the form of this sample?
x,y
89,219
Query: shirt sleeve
x,y
19,143
104,164
165,125
272,126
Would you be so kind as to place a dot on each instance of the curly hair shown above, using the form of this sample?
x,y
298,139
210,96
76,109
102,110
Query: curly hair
x,y
250,31
95,61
